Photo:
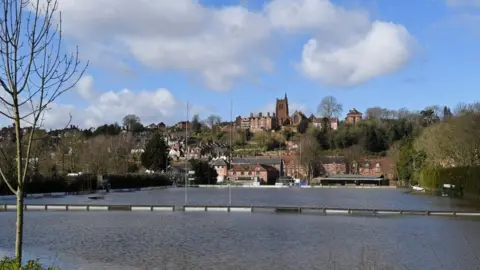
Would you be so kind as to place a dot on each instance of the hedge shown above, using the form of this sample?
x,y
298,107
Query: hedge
x,y
468,177
68,184
137,180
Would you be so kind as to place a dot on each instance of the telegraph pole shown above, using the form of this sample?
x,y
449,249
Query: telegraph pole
x,y
186,158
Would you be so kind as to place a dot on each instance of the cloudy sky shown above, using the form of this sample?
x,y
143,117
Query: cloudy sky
x,y
150,58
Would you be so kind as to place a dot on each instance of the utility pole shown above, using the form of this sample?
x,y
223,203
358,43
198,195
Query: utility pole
x,y
230,161
186,158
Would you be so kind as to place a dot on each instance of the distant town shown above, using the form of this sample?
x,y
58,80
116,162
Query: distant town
x,y
257,147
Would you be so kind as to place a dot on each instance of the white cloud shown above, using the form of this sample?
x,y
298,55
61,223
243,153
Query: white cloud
x,y
84,87
346,48
109,107
225,45
220,45
383,50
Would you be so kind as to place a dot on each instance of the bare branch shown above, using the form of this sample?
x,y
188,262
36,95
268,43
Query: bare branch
x,y
34,72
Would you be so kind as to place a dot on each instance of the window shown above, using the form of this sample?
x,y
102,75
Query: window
x,y
377,168
241,173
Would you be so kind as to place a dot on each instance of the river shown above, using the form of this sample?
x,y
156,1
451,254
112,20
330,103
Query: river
x,y
206,240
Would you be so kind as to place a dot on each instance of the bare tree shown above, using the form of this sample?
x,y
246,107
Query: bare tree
x,y
403,113
354,156
463,108
213,120
310,157
374,112
329,107
34,71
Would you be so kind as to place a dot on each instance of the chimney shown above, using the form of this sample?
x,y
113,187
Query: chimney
x,y
251,115
268,114
260,114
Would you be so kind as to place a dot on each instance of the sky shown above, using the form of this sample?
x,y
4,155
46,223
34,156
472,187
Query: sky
x,y
151,58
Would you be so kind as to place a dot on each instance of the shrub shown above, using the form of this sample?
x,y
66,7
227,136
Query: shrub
x,y
10,264
468,177
137,180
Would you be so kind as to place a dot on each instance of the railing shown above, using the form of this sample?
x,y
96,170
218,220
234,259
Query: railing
x,y
239,208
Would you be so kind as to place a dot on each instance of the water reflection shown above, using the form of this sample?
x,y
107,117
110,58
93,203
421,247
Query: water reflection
x,y
349,198
150,240
247,240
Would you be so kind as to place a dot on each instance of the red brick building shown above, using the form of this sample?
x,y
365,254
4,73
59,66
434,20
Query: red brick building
x,y
353,117
318,122
247,173
257,123
281,110
184,124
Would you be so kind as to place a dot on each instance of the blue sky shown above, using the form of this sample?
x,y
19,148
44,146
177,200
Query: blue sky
x,y
436,39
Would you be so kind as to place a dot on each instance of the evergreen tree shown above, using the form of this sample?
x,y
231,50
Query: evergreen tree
x,y
155,156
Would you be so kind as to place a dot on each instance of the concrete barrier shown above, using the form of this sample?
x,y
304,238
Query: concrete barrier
x,y
468,214
163,208
337,211
195,208
217,209
57,207
97,208
240,209
288,210
225,208
119,208
387,212
77,208
436,213
264,209
141,208
35,207
313,210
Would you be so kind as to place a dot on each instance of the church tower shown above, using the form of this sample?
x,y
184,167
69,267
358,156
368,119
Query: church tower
x,y
281,110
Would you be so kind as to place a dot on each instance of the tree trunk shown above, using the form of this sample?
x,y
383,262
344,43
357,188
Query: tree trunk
x,y
19,227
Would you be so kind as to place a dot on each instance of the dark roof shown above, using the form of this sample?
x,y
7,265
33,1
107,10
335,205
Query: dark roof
x,y
353,111
354,176
257,160
333,159
219,162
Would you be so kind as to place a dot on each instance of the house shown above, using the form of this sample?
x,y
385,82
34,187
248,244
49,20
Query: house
x,y
334,165
183,125
318,122
177,172
293,167
153,126
175,153
296,118
247,173
275,162
221,166
258,122
375,167
353,117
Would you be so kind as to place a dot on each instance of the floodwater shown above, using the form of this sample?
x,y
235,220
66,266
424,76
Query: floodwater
x,y
206,240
